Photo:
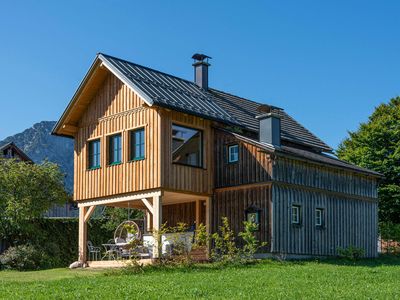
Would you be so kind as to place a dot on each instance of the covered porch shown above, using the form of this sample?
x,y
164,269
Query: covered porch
x,y
159,207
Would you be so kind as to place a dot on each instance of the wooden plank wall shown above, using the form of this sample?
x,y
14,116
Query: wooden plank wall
x,y
116,109
232,203
179,213
253,165
347,222
318,176
180,177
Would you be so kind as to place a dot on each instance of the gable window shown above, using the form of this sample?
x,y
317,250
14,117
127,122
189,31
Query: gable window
x,y
187,146
296,209
114,149
94,154
233,153
137,144
319,217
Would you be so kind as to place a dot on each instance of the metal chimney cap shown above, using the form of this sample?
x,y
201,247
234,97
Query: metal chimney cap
x,y
200,57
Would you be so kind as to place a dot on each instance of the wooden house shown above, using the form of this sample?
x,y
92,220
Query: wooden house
x,y
185,152
11,151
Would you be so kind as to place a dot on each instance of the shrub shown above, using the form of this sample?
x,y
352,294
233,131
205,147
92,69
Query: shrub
x,y
224,249
201,237
24,257
351,252
251,244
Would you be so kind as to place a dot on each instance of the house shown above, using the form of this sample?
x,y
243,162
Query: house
x,y
11,151
185,152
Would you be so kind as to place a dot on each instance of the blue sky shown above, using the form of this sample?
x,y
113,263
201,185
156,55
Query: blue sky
x,y
327,63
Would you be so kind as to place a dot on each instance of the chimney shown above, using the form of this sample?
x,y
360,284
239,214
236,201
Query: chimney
x,y
270,128
201,70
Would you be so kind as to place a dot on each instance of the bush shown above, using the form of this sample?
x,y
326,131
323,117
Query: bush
x,y
251,244
225,249
351,252
24,257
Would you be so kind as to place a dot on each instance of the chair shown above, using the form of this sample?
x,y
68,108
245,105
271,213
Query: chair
x,y
94,252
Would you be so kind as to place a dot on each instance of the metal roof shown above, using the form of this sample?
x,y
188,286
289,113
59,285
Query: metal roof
x,y
307,155
183,95
170,91
245,111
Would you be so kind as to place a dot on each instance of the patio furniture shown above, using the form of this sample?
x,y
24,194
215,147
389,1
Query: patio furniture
x,y
111,251
94,252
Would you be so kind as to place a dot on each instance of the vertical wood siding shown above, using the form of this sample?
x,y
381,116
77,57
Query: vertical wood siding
x,y
233,203
179,213
348,222
253,165
116,109
180,177
312,175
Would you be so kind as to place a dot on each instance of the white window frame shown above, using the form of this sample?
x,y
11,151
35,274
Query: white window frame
x,y
235,159
319,215
297,209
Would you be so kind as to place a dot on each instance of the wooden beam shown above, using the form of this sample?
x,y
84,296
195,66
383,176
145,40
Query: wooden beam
x,y
116,199
157,220
148,221
148,205
69,127
89,212
208,215
82,235
197,213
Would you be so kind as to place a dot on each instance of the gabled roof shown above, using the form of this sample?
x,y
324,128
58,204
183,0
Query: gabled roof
x,y
14,147
158,88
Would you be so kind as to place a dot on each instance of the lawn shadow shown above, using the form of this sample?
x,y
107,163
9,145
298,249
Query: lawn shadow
x,y
382,260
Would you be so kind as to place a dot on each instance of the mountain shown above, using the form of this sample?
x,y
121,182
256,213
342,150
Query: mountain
x,y
39,145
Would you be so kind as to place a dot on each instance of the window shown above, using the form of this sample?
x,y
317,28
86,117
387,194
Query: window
x,y
115,149
296,214
94,154
253,215
233,153
137,144
187,146
319,217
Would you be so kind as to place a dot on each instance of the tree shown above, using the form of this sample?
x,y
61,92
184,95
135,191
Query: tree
x,y
26,192
376,146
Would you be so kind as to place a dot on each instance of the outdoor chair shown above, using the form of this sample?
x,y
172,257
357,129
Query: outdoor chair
x,y
94,252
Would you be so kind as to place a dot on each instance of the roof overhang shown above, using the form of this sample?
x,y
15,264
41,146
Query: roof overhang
x,y
67,125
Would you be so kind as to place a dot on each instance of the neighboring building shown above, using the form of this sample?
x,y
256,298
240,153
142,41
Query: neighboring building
x,y
68,210
185,152
11,151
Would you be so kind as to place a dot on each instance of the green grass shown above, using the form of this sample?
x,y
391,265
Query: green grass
x,y
376,279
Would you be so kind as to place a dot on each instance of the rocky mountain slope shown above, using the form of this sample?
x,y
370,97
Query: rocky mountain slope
x,y
39,145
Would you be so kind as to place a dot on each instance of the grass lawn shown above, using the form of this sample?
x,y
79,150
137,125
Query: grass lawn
x,y
376,279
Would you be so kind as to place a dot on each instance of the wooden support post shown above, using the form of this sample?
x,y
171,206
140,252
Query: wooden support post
x,y
198,202
148,221
208,215
82,235
157,220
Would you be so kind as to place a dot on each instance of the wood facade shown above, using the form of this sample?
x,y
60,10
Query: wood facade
x,y
266,179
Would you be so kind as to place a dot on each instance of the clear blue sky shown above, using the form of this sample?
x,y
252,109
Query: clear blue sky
x,y
327,63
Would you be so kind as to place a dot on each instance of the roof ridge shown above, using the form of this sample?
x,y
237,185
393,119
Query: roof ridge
x,y
151,69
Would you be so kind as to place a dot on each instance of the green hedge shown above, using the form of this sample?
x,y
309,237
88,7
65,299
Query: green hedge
x,y
58,238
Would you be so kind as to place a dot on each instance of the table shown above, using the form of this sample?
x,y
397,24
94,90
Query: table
x,y
111,251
